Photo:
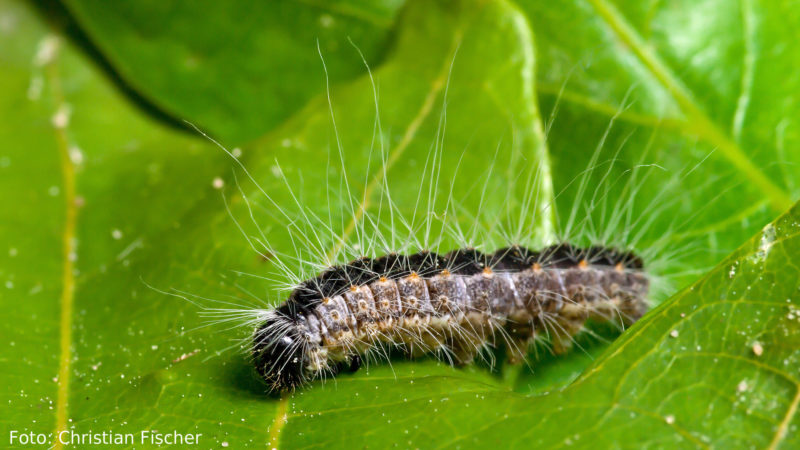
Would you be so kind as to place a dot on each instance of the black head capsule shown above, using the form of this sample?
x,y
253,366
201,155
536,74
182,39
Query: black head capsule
x,y
279,352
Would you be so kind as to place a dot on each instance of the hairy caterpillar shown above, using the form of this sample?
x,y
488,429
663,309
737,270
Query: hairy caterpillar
x,y
375,295
452,303
453,291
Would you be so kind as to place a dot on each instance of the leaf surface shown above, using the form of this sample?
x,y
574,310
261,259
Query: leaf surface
x,y
460,79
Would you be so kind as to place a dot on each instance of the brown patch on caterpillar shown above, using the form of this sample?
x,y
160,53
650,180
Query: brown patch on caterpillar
x,y
459,301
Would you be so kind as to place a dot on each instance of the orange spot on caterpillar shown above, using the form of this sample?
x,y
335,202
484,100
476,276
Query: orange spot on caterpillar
x,y
536,267
445,273
583,264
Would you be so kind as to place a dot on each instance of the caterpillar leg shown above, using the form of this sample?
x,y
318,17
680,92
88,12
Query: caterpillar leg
x,y
518,350
562,337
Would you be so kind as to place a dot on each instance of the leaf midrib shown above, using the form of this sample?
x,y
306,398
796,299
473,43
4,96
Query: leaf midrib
x,y
67,298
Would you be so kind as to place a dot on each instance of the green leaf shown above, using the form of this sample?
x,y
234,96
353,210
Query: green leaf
x,y
235,68
126,357
709,74
80,196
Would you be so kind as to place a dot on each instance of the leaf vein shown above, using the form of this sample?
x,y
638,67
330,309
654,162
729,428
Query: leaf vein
x,y
699,122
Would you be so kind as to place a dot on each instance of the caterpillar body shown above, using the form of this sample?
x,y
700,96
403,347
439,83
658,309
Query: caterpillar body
x,y
549,276
454,304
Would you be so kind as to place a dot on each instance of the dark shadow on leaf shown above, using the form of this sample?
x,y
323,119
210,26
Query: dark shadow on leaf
x,y
59,18
242,378
550,372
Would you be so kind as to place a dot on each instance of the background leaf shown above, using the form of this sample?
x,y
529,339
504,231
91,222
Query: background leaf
x,y
146,212
235,69
702,78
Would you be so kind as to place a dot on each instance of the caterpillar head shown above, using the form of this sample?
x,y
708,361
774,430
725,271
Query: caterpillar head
x,y
279,350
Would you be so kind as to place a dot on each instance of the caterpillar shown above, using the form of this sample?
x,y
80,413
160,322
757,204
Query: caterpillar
x,y
391,290
366,298
387,291
348,300
454,303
